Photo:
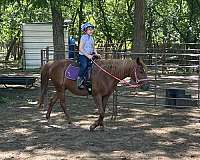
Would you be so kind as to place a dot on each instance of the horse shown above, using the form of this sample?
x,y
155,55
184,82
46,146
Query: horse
x,y
103,84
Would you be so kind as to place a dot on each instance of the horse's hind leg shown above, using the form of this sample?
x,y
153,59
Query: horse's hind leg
x,y
63,105
43,101
52,102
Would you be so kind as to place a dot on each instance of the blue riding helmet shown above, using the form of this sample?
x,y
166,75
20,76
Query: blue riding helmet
x,y
86,25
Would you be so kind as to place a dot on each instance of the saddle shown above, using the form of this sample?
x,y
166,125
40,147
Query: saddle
x,y
72,72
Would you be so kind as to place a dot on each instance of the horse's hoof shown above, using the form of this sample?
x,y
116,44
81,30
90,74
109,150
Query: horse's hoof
x,y
69,122
92,127
101,128
40,106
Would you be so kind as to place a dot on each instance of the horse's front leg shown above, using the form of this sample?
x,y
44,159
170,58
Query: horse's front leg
x,y
41,102
104,104
99,104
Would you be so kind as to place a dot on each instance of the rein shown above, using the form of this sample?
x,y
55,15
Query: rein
x,y
121,80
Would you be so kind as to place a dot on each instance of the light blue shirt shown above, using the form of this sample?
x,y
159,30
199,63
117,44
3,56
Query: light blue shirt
x,y
88,44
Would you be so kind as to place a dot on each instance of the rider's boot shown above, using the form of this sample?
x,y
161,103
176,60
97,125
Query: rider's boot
x,y
80,83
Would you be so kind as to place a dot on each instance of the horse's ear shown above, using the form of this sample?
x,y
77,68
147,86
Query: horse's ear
x,y
139,61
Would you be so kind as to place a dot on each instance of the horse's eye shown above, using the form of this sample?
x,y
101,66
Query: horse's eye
x,y
141,71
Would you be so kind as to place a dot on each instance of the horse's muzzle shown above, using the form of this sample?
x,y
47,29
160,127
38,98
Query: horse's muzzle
x,y
145,86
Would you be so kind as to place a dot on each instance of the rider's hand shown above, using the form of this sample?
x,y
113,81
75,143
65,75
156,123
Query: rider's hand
x,y
89,56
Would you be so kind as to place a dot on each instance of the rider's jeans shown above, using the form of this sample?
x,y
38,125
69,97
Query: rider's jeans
x,y
85,63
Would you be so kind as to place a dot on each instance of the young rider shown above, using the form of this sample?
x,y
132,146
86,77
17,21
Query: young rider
x,y
86,51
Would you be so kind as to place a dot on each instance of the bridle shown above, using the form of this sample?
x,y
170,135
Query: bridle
x,y
137,80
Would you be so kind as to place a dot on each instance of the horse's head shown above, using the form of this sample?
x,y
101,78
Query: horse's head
x,y
138,73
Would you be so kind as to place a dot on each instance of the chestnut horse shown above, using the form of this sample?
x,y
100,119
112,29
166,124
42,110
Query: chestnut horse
x,y
103,84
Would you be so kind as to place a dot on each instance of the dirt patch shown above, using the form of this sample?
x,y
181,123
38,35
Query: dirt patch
x,y
138,133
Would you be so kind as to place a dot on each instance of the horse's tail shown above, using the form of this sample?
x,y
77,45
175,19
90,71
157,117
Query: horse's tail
x,y
44,83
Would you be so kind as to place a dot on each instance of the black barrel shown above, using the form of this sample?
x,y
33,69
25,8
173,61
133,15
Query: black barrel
x,y
172,94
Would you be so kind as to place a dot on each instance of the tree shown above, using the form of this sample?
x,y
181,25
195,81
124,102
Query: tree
x,y
139,34
58,30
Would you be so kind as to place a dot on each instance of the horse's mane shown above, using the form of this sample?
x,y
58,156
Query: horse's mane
x,y
116,66
113,63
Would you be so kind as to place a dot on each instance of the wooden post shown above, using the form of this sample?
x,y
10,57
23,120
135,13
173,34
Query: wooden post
x,y
41,54
155,89
115,103
47,54
198,81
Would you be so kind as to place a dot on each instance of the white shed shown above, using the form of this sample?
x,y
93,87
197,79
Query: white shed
x,y
37,36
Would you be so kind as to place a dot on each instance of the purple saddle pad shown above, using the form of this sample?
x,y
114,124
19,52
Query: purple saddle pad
x,y
72,72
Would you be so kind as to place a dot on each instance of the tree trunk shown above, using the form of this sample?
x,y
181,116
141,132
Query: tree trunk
x,y
73,21
12,44
58,31
139,37
80,20
149,33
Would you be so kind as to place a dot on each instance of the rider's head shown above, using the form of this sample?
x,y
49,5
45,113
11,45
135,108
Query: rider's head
x,y
87,28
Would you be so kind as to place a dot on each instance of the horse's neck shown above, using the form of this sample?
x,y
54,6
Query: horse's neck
x,y
119,68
